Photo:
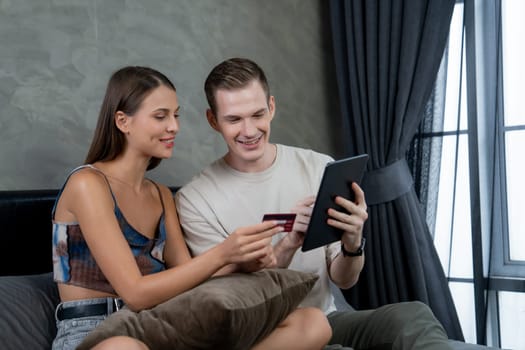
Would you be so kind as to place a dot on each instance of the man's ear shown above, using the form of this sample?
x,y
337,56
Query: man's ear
x,y
121,121
271,106
212,120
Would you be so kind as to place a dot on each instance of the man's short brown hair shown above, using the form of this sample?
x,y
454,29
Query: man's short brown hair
x,y
231,74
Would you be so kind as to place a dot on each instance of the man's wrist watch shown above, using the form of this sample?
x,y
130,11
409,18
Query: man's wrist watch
x,y
359,250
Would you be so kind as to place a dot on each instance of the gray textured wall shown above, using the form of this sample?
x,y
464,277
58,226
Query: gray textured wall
x,y
56,57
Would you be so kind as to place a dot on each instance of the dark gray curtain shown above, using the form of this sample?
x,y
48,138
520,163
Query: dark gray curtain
x,y
387,54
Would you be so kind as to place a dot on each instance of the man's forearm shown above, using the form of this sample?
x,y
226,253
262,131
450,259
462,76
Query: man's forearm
x,y
344,271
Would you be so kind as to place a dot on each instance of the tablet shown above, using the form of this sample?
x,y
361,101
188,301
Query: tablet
x,y
336,181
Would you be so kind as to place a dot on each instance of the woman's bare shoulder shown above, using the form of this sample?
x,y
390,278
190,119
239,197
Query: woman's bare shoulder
x,y
167,197
84,187
86,179
84,184
164,190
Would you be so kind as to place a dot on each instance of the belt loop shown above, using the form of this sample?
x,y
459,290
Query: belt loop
x,y
109,306
116,301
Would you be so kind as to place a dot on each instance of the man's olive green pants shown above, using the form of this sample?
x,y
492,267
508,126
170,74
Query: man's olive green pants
x,y
400,326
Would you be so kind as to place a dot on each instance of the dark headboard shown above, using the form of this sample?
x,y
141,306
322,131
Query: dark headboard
x,y
25,231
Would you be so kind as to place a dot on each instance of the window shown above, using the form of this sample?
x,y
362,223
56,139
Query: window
x,y
472,191
513,66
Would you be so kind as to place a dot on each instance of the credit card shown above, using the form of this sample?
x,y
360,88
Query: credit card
x,y
285,220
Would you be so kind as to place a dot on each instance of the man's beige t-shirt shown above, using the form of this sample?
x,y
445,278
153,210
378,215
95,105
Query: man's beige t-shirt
x,y
220,199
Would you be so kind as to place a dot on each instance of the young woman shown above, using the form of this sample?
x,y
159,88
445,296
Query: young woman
x,y
116,235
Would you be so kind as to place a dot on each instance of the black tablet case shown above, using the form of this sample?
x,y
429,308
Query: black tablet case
x,y
337,180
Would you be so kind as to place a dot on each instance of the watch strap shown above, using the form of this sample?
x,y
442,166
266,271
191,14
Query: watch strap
x,y
359,250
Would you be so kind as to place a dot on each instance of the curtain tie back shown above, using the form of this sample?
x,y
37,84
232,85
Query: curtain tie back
x,y
388,183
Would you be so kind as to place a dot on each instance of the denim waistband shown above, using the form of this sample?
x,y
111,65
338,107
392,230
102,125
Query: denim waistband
x,y
87,307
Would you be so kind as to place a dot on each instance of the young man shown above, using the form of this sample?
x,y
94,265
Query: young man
x,y
256,177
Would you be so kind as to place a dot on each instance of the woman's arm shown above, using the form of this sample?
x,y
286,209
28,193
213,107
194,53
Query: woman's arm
x,y
91,203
